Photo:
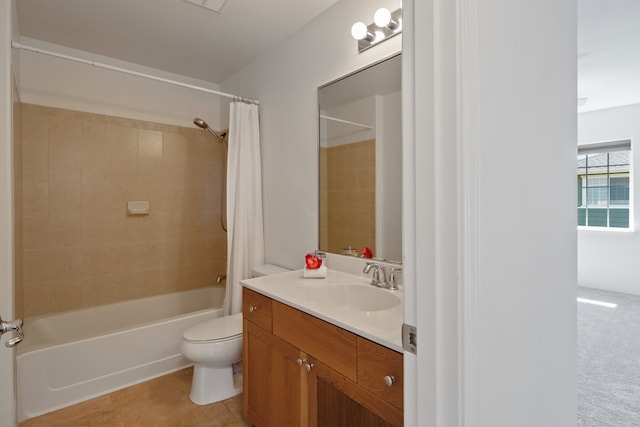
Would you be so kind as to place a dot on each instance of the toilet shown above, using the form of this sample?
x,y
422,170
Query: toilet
x,y
214,347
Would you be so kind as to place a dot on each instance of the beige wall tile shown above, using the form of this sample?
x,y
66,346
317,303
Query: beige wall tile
x,y
195,199
80,247
35,199
196,173
198,225
350,197
67,294
63,169
99,230
174,199
36,299
51,233
35,165
124,143
65,200
173,228
173,173
150,144
96,200
149,171
65,151
174,146
142,228
138,256
124,171
96,143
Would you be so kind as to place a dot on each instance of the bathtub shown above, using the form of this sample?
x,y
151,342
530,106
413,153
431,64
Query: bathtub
x,y
75,356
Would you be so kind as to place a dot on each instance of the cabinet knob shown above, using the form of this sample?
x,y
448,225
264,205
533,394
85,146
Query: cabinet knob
x,y
389,380
253,308
309,367
301,362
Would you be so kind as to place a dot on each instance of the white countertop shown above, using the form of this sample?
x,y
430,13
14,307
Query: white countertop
x,y
383,327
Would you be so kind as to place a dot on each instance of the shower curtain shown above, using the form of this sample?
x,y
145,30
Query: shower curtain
x,y
245,234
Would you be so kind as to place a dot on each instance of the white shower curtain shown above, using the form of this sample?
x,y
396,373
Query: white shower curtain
x,y
245,234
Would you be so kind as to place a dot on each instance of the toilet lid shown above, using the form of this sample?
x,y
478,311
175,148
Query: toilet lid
x,y
218,329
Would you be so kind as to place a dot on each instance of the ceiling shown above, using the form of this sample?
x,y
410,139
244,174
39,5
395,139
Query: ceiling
x,y
608,53
171,35
381,78
186,39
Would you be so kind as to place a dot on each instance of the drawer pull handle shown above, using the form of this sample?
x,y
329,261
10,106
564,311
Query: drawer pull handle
x,y
389,380
309,367
253,308
301,362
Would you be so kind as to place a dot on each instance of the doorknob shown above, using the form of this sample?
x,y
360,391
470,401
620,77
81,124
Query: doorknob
x,y
14,325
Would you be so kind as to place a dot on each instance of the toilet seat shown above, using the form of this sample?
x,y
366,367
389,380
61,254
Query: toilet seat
x,y
220,329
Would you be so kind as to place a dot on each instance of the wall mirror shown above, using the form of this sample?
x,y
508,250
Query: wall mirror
x,y
361,162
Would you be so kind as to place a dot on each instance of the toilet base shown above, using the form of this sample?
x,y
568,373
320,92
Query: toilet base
x,y
212,384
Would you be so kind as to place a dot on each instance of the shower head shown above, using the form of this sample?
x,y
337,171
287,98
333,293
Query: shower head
x,y
203,125
200,123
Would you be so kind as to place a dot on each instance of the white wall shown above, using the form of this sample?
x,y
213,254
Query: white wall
x,y
608,259
389,176
518,262
55,82
361,111
285,80
521,289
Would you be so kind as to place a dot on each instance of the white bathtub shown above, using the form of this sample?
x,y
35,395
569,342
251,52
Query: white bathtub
x,y
71,357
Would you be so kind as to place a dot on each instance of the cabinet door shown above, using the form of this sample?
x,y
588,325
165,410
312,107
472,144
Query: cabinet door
x,y
275,388
288,385
336,401
256,357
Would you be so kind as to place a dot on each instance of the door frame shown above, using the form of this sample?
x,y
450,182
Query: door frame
x,y
7,356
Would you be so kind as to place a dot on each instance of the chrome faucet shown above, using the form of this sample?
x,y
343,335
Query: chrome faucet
x,y
380,278
393,280
379,275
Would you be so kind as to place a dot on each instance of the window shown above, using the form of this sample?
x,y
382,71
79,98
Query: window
x,y
603,184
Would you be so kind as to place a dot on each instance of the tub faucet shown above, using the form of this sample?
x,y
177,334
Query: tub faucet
x,y
379,275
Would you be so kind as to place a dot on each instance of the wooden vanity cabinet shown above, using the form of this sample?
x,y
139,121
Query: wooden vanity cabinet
x,y
273,382
300,371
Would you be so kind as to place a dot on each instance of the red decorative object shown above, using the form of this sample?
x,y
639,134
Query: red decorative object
x,y
313,262
367,253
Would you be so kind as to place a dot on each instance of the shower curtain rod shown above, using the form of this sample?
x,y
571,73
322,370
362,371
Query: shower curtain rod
x,y
17,45
334,119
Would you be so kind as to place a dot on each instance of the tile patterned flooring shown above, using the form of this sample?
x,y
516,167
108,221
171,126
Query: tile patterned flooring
x,y
160,402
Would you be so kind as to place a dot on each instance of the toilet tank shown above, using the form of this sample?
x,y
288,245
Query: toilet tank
x,y
267,269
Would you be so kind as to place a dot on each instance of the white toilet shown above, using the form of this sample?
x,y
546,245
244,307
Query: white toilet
x,y
213,347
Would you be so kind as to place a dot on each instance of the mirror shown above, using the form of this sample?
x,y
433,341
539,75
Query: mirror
x,y
361,162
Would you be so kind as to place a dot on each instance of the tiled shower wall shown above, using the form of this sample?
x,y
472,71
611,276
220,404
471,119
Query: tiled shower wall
x,y
81,249
348,206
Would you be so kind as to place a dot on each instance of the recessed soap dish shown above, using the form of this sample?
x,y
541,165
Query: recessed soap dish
x,y
138,207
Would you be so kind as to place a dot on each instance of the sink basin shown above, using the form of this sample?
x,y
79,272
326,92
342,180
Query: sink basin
x,y
356,297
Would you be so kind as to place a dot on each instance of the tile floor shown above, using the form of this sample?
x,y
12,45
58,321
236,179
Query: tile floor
x,y
160,402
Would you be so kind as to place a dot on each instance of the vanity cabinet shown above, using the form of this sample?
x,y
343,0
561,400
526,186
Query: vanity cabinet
x,y
301,371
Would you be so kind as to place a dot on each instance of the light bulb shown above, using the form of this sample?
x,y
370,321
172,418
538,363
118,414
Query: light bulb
x,y
359,30
382,17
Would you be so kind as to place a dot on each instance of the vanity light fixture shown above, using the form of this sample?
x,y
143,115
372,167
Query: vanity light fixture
x,y
385,25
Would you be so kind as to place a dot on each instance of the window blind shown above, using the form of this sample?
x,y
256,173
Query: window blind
x,y
605,147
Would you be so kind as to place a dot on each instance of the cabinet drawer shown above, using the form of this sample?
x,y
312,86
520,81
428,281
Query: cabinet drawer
x,y
322,340
375,362
257,308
